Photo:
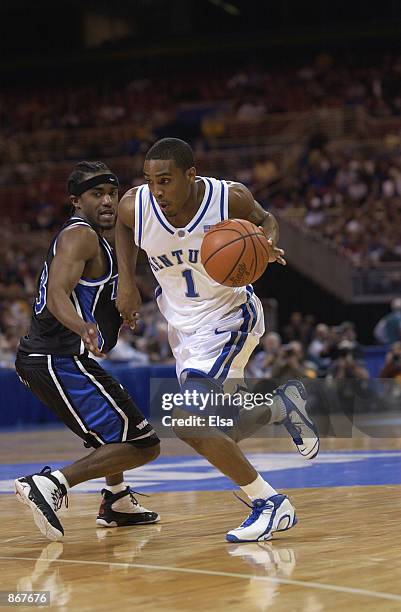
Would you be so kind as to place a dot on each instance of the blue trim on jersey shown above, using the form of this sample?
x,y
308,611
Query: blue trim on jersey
x,y
158,291
140,217
223,355
86,297
92,407
254,312
58,364
237,340
238,343
159,218
245,329
222,201
209,197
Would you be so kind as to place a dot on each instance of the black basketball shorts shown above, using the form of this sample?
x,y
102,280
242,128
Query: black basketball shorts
x,y
86,398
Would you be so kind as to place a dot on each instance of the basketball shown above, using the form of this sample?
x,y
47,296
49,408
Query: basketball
x,y
235,252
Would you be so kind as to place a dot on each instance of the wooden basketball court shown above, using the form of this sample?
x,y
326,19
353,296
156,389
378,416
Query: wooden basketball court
x,y
345,552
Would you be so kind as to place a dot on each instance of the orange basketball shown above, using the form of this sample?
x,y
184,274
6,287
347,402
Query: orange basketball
x,y
235,252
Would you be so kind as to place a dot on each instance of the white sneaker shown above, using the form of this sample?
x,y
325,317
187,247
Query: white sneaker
x,y
268,515
44,494
297,422
123,510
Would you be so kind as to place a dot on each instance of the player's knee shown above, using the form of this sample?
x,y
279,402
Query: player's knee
x,y
186,433
182,425
194,436
182,432
150,453
149,448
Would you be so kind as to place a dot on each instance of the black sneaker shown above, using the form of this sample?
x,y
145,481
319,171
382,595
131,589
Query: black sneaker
x,y
44,494
108,517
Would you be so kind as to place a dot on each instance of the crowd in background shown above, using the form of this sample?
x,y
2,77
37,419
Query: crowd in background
x,y
351,199
347,196
56,124
252,90
305,349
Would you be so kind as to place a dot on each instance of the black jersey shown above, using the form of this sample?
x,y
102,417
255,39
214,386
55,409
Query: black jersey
x,y
93,299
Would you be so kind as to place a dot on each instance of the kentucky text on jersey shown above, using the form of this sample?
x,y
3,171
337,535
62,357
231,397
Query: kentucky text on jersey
x,y
177,257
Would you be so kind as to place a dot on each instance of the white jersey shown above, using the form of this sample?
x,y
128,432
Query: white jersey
x,y
187,296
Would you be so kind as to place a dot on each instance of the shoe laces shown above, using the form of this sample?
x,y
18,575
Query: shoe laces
x,y
58,496
257,510
134,499
59,493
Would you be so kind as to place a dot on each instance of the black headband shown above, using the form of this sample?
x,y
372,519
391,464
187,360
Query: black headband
x,y
98,179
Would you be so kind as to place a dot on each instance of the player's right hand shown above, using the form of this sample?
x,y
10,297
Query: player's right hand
x,y
128,304
90,339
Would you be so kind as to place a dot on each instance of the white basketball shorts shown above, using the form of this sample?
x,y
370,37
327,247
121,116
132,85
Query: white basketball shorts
x,y
220,351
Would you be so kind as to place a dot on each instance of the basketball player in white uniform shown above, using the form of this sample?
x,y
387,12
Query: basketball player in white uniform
x,y
213,329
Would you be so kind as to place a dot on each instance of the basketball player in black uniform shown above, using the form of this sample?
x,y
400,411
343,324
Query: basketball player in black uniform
x,y
74,314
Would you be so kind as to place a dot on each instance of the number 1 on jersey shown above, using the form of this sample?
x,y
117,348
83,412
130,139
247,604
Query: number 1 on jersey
x,y
191,291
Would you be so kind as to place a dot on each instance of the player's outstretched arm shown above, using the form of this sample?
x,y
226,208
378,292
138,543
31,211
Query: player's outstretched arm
x,y
242,205
128,296
75,247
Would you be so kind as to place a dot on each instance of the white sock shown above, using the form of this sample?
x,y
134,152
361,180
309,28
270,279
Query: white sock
x,y
258,489
116,488
278,410
61,478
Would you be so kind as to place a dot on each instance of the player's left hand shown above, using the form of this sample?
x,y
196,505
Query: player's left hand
x,y
276,254
89,337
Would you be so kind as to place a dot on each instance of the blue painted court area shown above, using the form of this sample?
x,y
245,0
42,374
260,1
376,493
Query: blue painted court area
x,y
283,470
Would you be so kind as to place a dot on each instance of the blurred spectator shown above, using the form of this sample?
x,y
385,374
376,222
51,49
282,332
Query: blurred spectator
x,y
319,342
319,349
348,377
299,328
251,110
260,366
295,329
290,363
125,351
345,365
158,347
388,329
392,364
8,349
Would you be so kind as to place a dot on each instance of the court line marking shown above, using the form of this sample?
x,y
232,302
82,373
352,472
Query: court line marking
x,y
13,539
186,570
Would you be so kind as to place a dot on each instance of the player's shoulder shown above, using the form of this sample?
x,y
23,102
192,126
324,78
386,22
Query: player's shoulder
x,y
131,193
238,194
127,202
126,206
235,187
78,239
